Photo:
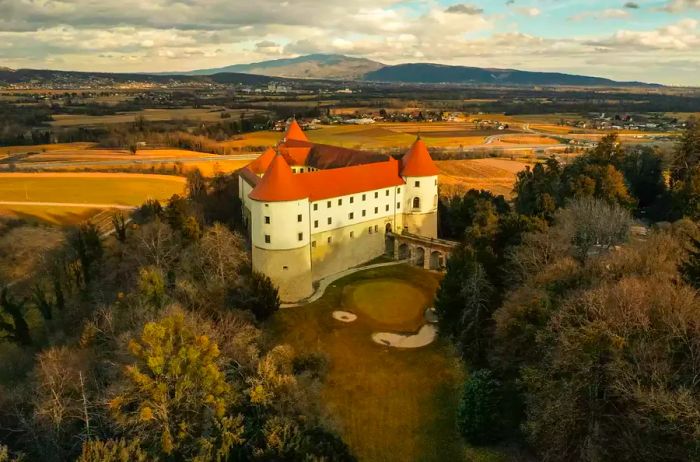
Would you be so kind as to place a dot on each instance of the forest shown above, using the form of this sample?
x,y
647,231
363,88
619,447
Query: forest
x,y
575,308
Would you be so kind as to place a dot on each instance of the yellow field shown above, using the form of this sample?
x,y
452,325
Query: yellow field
x,y
152,115
67,198
6,151
525,139
495,175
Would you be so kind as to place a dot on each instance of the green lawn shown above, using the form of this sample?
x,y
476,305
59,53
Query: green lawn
x,y
388,404
390,303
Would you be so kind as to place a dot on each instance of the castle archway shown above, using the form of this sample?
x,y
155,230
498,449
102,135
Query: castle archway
x,y
436,260
419,259
404,252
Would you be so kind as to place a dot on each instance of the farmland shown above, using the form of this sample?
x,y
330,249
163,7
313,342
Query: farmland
x,y
65,198
495,175
152,115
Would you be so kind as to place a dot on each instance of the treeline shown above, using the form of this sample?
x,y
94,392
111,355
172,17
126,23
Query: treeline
x,y
580,329
146,345
17,124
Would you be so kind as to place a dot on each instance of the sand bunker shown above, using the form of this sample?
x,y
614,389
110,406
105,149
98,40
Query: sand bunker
x,y
425,336
344,316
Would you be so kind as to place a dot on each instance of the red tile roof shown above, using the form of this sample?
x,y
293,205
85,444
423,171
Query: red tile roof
x,y
418,161
294,132
324,184
278,184
260,165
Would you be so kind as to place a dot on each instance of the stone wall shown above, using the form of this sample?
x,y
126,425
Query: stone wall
x,y
290,270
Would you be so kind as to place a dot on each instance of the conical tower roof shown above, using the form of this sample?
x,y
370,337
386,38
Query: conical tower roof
x,y
260,165
417,162
278,184
294,132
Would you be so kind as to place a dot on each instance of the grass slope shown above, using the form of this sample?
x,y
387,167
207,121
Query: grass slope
x,y
389,404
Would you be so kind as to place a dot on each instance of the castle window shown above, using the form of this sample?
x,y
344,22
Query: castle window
x,y
417,184
370,230
267,220
364,213
299,218
328,204
398,205
376,210
313,244
340,201
398,190
352,200
416,202
376,194
351,216
267,238
387,192
387,207
352,234
435,181
330,220
285,268
315,207
315,223
364,197
376,228
330,239
301,236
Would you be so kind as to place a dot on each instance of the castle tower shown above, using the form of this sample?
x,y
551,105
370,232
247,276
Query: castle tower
x,y
294,132
421,196
280,231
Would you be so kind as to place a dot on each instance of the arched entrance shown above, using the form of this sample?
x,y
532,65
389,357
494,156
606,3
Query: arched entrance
x,y
436,260
404,252
420,257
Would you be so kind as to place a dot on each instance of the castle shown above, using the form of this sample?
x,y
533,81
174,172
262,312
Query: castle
x,y
313,210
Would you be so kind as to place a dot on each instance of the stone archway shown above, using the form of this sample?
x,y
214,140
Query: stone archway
x,y
436,260
404,252
419,258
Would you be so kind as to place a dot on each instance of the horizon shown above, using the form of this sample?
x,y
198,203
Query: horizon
x,y
646,41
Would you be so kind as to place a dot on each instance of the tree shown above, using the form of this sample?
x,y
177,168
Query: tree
x,y
690,266
537,190
113,451
687,153
479,416
644,174
255,293
175,396
196,185
87,245
119,224
464,305
16,331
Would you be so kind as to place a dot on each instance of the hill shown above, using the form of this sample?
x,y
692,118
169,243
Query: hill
x,y
438,73
316,66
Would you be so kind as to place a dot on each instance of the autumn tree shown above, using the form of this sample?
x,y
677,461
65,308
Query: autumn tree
x,y
113,451
15,329
175,395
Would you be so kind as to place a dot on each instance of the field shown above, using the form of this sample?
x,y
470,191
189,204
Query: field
x,y
495,175
388,404
152,115
66,198
379,136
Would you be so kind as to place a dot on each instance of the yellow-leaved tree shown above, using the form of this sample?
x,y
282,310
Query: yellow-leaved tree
x,y
175,397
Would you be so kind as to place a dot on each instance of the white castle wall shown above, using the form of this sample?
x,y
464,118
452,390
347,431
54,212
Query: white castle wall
x,y
423,220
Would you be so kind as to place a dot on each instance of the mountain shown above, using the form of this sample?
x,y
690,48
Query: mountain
x,y
317,66
438,73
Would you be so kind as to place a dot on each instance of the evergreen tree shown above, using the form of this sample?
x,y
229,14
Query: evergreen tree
x,y
479,416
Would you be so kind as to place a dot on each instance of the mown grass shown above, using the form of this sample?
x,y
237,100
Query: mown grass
x,y
389,303
387,404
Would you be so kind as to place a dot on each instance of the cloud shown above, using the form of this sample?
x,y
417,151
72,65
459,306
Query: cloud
x,y
531,11
610,13
676,6
681,36
463,8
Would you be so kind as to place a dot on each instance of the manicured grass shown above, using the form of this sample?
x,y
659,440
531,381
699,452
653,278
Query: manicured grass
x,y
392,303
88,188
387,404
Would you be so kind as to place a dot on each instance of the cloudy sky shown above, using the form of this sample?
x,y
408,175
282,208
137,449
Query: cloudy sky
x,y
648,40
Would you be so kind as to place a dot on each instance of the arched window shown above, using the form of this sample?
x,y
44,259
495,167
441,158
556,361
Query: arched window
x,y
416,202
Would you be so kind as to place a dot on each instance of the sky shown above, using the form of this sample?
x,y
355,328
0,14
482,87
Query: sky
x,y
651,41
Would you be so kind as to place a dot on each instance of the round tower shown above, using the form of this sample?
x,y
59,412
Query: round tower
x,y
421,192
280,231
